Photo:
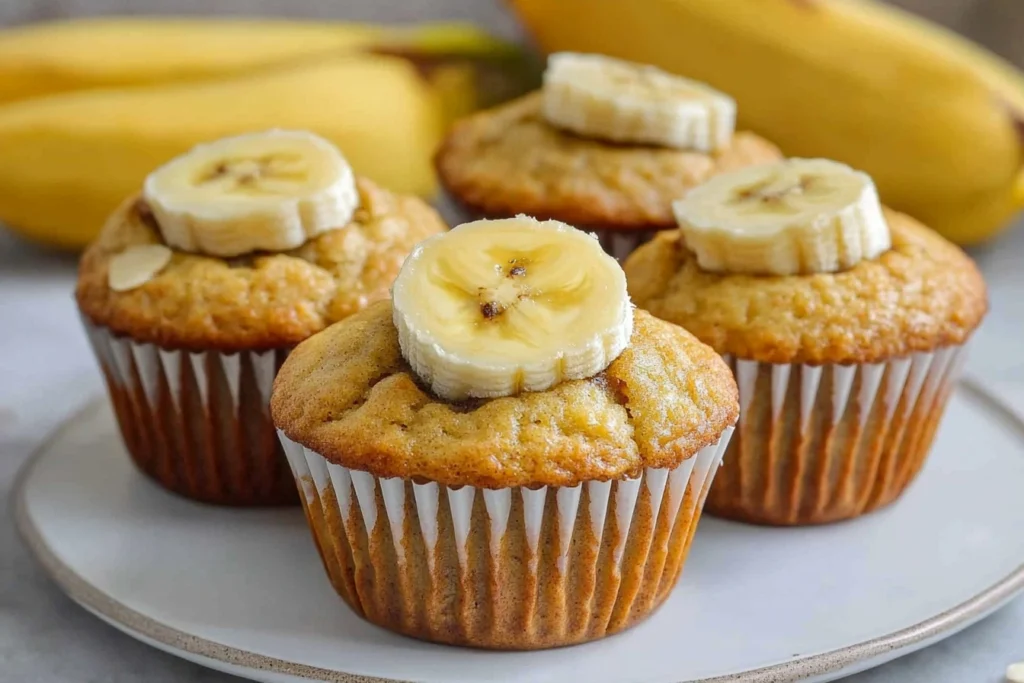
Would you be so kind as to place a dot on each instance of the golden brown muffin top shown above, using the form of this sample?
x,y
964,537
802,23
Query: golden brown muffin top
x,y
922,294
348,394
508,160
261,301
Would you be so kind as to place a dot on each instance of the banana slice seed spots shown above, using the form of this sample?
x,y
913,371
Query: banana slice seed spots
x,y
647,83
267,191
271,174
491,310
496,300
508,305
517,291
797,216
788,194
781,195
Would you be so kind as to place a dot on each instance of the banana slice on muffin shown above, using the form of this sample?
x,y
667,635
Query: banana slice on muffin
x,y
621,101
493,308
797,216
189,337
267,191
487,522
845,323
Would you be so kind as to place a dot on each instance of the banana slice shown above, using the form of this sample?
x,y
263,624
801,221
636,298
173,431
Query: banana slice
x,y
496,307
797,216
135,266
610,99
267,191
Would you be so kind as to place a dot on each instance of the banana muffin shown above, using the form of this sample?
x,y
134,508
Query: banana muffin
x,y
845,324
605,145
198,287
504,456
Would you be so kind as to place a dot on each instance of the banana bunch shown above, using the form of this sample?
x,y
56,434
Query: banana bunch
x,y
935,120
89,107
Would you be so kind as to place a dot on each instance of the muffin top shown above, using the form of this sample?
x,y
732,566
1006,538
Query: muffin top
x,y
257,301
509,160
348,394
921,294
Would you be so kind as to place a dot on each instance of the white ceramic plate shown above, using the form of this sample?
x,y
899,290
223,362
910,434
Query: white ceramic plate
x,y
243,591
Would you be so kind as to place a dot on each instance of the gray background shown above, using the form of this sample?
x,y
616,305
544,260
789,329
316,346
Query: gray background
x,y
45,638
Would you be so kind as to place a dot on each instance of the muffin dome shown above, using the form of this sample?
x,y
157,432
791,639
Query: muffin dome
x,y
843,376
348,394
259,301
922,294
509,160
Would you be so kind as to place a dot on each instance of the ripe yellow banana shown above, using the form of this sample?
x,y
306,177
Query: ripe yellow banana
x,y
934,120
93,105
42,59
68,160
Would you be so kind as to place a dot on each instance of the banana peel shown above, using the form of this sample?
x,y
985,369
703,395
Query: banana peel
x,y
69,159
49,58
93,106
935,120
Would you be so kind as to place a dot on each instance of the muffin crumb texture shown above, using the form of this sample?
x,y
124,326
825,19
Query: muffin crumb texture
x,y
509,160
349,395
922,294
258,301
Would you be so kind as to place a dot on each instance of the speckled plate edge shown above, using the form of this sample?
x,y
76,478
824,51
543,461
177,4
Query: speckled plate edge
x,y
842,661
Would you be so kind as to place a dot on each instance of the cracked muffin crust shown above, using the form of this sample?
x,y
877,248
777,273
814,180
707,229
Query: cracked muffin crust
x,y
922,294
348,394
261,301
843,376
508,160
189,355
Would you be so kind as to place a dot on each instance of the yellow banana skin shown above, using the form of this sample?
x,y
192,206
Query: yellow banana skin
x,y
934,120
89,107
43,59
68,160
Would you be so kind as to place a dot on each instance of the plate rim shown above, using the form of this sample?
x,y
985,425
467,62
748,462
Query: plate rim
x,y
176,641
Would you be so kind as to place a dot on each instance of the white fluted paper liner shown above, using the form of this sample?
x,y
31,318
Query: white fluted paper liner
x,y
828,442
199,423
627,523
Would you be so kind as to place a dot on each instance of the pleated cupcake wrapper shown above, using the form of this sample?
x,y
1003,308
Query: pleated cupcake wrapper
x,y
512,568
822,443
197,423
